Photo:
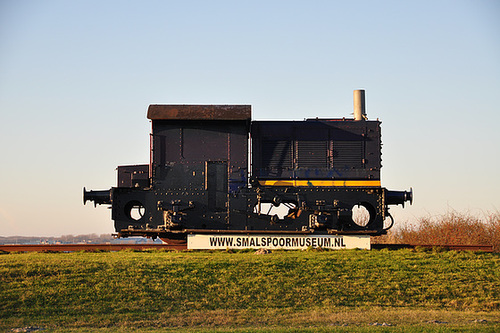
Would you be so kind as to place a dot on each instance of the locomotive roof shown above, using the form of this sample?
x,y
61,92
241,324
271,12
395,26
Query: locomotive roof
x,y
199,112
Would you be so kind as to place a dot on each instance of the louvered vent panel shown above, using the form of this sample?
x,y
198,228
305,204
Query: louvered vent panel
x,y
348,154
276,154
312,154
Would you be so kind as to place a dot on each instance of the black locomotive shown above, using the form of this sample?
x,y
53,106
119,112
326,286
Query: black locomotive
x,y
305,177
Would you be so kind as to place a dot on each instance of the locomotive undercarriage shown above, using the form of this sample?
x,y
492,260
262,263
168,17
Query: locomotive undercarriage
x,y
174,214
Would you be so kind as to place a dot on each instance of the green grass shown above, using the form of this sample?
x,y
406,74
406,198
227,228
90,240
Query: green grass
x,y
242,292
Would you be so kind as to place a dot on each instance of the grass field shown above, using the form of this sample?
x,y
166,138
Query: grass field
x,y
296,291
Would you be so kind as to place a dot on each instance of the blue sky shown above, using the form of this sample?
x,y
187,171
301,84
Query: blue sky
x,y
76,78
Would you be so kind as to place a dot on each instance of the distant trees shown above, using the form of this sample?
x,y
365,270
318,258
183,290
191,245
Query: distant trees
x,y
90,238
70,239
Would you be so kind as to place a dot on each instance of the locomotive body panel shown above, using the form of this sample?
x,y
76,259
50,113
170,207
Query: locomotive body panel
x,y
316,149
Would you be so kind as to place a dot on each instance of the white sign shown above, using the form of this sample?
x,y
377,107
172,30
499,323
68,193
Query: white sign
x,y
287,242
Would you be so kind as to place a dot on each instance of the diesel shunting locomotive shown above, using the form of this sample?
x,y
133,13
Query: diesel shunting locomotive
x,y
215,170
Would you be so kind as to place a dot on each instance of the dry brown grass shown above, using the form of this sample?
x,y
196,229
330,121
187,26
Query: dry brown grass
x,y
452,228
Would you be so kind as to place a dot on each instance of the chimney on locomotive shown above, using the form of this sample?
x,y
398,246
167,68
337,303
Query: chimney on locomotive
x,y
359,105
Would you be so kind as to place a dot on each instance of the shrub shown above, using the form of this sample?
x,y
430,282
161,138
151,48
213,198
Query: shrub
x,y
452,228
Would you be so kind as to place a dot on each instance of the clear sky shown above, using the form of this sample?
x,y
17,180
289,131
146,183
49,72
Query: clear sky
x,y
76,78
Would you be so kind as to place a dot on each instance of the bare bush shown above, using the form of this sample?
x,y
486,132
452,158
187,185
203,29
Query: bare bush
x,y
452,228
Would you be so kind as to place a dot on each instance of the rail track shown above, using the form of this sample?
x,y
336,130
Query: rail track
x,y
482,248
89,247
181,247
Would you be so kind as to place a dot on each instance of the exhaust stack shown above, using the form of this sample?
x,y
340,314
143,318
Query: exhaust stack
x,y
359,105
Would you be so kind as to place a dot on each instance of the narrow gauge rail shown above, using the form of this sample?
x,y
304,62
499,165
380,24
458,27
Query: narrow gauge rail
x,y
180,247
482,248
89,247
